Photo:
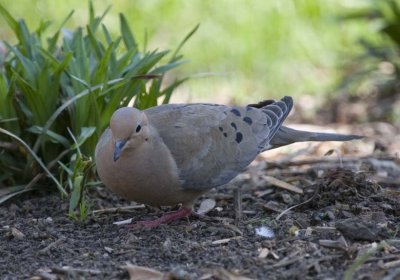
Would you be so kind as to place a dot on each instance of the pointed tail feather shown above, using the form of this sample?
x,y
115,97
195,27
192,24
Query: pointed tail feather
x,y
285,136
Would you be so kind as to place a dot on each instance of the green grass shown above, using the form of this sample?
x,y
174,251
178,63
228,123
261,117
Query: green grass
x,y
244,50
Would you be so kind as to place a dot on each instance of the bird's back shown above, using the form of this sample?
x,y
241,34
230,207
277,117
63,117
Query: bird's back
x,y
212,143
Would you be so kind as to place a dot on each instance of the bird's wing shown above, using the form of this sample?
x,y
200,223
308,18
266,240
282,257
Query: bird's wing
x,y
211,143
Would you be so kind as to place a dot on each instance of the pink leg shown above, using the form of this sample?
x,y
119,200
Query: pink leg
x,y
167,218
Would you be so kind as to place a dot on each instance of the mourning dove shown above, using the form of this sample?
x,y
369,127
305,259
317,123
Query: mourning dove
x,y
171,154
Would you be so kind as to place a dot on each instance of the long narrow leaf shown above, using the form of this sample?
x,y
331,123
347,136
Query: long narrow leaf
x,y
127,34
10,20
187,37
52,41
38,160
18,190
67,103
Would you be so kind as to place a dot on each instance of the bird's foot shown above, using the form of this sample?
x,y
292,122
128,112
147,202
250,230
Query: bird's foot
x,y
167,218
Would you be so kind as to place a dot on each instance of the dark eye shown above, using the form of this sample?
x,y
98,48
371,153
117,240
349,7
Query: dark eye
x,y
138,128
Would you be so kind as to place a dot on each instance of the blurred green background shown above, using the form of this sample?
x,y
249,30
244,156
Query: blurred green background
x,y
243,51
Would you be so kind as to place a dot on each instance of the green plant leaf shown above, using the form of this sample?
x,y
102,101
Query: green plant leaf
x,y
393,31
52,41
55,137
38,160
127,35
86,132
71,80
10,20
54,116
9,192
76,193
187,37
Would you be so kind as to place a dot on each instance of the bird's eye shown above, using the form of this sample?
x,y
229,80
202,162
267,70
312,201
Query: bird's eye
x,y
138,128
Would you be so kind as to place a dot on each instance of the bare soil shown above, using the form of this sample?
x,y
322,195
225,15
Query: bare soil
x,y
345,223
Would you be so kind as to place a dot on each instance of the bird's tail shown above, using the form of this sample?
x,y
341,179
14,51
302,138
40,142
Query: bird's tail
x,y
285,136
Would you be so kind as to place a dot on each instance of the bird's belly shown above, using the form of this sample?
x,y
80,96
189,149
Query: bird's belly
x,y
152,181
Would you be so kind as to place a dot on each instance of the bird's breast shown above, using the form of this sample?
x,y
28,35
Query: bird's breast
x,y
147,174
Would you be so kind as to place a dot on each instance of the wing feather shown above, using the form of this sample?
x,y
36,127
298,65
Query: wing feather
x,y
212,143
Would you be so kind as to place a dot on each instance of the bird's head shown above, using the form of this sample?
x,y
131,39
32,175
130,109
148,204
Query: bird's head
x,y
129,127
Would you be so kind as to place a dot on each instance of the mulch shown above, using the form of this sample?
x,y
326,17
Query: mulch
x,y
316,213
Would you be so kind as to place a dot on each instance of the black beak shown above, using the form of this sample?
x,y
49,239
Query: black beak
x,y
118,148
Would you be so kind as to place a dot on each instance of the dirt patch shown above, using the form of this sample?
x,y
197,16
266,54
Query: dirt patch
x,y
346,220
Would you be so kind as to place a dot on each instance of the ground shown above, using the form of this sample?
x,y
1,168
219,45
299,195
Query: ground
x,y
344,222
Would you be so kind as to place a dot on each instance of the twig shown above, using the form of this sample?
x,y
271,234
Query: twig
x,y
68,269
225,240
294,206
238,205
282,184
325,258
324,229
319,160
292,258
51,245
9,146
118,209
126,252
383,258
391,264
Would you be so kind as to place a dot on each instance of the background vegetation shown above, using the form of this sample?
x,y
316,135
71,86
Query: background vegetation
x,y
243,50
57,94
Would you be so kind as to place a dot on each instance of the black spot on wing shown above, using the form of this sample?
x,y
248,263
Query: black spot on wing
x,y
225,134
239,137
234,125
220,129
236,112
248,120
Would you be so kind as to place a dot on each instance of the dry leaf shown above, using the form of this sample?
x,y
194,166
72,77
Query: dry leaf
x,y
143,273
206,206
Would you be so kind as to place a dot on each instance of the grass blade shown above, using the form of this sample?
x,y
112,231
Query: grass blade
x,y
38,160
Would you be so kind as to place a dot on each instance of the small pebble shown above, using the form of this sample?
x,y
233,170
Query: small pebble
x,y
16,233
